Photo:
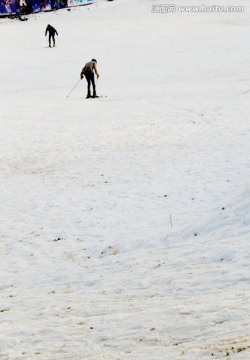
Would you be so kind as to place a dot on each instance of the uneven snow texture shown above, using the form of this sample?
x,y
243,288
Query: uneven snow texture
x,y
124,220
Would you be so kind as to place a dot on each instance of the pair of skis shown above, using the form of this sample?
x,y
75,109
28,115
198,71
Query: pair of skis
x,y
91,97
97,96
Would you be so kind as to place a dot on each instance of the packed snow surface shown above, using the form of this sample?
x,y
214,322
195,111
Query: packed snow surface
x,y
125,220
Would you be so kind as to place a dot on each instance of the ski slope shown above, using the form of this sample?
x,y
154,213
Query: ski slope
x,y
124,220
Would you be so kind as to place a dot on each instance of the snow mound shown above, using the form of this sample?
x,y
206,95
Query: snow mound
x,y
231,220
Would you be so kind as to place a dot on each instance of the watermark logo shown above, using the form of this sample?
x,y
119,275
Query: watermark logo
x,y
164,8
172,8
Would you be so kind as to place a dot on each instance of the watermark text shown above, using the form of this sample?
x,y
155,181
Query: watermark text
x,y
172,8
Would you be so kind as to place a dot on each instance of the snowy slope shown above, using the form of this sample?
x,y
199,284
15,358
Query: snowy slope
x,y
124,220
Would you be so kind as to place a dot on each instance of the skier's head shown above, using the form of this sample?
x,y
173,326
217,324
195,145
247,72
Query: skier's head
x,y
94,60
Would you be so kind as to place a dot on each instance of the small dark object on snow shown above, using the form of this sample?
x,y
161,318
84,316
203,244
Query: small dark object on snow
x,y
22,18
18,17
58,239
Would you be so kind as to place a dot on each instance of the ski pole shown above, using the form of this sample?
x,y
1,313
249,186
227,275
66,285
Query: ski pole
x,y
74,87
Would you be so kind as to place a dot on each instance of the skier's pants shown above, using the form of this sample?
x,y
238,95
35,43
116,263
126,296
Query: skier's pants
x,y
90,77
51,36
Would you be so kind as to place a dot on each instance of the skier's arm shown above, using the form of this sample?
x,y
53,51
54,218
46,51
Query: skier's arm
x,y
96,72
81,74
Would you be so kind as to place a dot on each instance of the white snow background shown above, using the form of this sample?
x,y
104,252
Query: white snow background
x,y
125,220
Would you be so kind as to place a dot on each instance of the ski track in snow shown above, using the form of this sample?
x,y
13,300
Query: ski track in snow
x,y
124,220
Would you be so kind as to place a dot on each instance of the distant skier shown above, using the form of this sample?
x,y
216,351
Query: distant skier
x,y
52,31
89,72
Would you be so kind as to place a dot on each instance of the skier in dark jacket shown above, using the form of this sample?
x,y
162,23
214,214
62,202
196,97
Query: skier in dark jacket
x,y
52,31
89,72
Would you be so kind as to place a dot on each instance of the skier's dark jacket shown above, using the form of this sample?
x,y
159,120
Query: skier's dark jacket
x,y
52,31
